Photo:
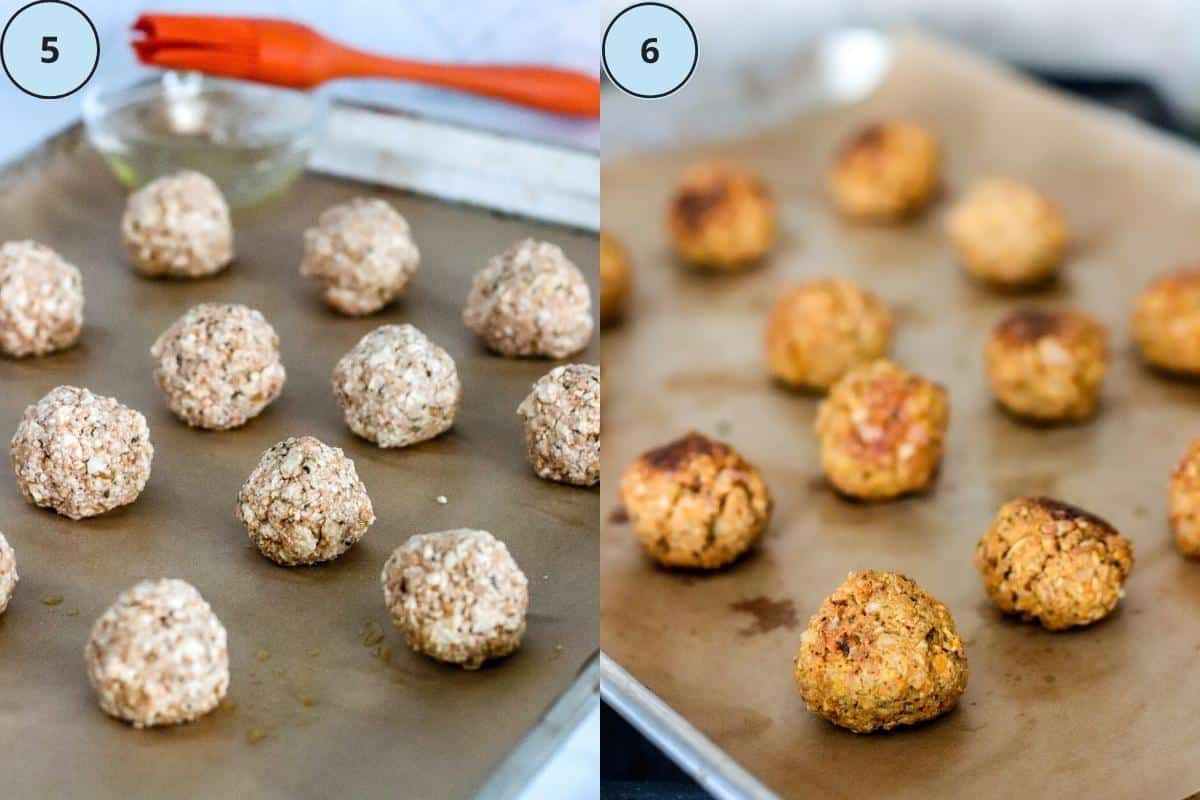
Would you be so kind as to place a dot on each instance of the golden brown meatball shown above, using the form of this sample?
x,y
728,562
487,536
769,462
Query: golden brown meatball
x,y
1184,498
881,430
880,652
695,502
1048,365
886,171
1166,322
616,278
1049,561
820,330
1008,233
721,217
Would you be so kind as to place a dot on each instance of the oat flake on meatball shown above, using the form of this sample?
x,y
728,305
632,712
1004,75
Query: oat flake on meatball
x,y
530,301
458,596
81,454
158,655
218,365
178,226
41,300
562,425
396,387
362,255
304,503
8,573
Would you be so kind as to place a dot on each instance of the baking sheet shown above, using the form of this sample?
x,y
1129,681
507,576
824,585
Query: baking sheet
x,y
1108,711
340,718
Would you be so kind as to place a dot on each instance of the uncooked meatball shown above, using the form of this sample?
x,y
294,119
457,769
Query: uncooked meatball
x,y
158,655
1049,561
1184,499
881,431
458,596
530,301
81,454
218,366
1008,233
695,503
362,255
820,330
1166,322
41,300
562,425
886,172
304,503
616,278
8,573
721,217
879,653
1048,365
396,387
178,226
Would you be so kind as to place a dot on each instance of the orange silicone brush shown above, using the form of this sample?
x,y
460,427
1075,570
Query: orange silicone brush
x,y
287,54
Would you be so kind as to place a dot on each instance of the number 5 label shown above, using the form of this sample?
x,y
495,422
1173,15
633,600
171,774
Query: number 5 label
x,y
49,49
649,50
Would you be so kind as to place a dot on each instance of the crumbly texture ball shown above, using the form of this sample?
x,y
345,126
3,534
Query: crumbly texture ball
x,y
362,255
41,300
562,425
81,454
396,387
1048,365
881,431
218,365
158,655
886,172
879,653
530,301
1008,233
457,595
1184,499
304,503
8,573
820,330
721,217
695,503
1166,322
1049,561
178,226
616,278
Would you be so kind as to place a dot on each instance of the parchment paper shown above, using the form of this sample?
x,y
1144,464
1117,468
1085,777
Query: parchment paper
x,y
340,719
1109,711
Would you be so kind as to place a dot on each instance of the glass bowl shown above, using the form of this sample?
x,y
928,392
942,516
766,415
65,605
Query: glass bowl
x,y
253,140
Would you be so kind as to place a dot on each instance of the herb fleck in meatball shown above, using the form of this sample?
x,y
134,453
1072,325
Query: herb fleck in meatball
x,y
721,217
1166,322
1048,365
880,652
885,172
881,430
695,502
1049,561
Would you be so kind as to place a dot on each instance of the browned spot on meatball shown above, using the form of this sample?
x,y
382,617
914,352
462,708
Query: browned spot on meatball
x,y
677,453
694,204
869,138
1065,511
1030,324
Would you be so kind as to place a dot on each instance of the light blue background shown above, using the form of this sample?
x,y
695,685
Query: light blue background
x,y
623,50
76,42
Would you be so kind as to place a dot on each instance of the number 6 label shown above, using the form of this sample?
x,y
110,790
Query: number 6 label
x,y
649,50
49,49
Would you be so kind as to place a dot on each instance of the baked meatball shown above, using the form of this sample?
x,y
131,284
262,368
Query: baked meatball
x,y
695,503
885,172
616,278
41,300
1049,561
822,329
880,652
721,217
1184,499
881,431
1166,322
1048,365
1008,233
178,226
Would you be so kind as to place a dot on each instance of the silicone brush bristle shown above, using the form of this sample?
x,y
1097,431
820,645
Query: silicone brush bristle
x,y
215,47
